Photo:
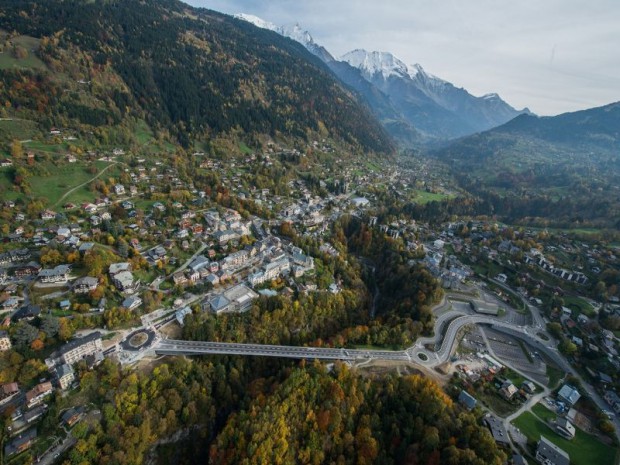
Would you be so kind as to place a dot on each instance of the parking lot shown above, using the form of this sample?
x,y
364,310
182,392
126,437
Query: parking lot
x,y
510,350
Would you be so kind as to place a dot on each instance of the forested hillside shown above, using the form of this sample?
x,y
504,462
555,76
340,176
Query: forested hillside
x,y
188,72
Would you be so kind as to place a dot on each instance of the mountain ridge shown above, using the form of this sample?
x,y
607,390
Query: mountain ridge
x,y
417,108
187,71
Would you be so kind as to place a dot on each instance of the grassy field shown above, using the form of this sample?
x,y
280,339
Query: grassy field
x,y
543,412
62,179
423,197
555,375
8,61
496,403
143,133
579,305
19,129
583,449
244,148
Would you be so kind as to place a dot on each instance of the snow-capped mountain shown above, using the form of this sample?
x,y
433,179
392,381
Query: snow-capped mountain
x,y
294,32
413,105
435,107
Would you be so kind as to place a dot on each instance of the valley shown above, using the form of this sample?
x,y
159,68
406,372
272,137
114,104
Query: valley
x,y
220,244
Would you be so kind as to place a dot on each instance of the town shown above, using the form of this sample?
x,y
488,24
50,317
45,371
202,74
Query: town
x,y
108,270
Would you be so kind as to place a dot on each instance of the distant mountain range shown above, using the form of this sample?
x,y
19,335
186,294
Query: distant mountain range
x,y
564,168
414,106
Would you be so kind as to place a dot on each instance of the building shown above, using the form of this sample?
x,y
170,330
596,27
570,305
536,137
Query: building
x,y
495,425
508,390
20,443
613,400
76,349
64,376
483,307
467,400
181,314
528,387
5,341
132,302
548,453
58,274
8,392
85,285
72,416
219,304
124,282
38,393
565,428
27,312
569,395
241,297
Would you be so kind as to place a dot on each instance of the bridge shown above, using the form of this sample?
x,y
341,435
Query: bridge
x,y
179,347
417,353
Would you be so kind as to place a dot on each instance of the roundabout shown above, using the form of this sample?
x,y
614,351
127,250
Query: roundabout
x,y
138,340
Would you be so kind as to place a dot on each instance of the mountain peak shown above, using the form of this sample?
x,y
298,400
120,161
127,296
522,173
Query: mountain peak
x,y
294,32
258,22
372,63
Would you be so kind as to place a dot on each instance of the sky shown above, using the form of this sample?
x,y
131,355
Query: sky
x,y
552,56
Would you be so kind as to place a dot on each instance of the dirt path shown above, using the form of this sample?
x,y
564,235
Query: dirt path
x,y
73,189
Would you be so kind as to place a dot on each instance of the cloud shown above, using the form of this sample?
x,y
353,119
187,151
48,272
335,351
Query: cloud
x,y
553,56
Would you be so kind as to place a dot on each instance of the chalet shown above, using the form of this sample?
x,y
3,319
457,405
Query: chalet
x,y
132,302
548,453
72,416
30,269
122,277
508,390
21,443
27,312
58,274
34,414
9,304
8,392
36,395
48,215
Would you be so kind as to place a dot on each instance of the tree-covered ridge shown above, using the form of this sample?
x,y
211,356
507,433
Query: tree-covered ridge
x,y
192,71
317,417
